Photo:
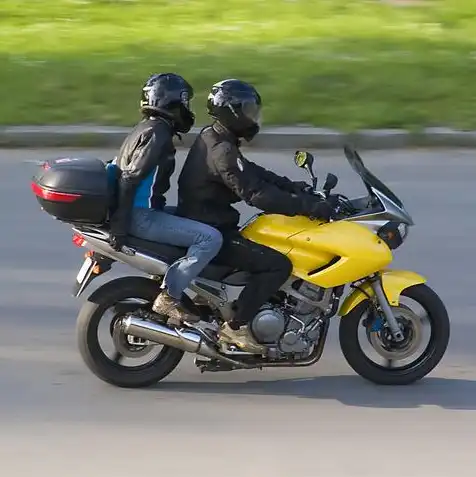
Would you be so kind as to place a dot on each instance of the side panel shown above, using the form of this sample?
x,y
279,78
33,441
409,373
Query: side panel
x,y
355,250
393,281
325,254
274,231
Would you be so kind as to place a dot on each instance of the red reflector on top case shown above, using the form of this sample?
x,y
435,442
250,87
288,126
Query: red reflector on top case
x,y
53,196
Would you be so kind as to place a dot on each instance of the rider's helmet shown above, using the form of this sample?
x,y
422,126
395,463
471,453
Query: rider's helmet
x,y
168,95
237,106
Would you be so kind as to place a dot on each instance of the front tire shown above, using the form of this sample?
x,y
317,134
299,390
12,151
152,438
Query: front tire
x,y
91,351
416,370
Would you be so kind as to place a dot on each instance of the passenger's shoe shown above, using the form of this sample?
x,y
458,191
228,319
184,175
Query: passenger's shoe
x,y
169,306
242,338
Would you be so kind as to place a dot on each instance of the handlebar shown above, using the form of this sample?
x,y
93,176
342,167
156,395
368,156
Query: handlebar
x,y
344,207
341,204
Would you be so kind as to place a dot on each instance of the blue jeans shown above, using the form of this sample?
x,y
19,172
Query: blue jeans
x,y
203,243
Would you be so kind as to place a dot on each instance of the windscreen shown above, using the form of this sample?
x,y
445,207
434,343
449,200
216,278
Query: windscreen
x,y
367,177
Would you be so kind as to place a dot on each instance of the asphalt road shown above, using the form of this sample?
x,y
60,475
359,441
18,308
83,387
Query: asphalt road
x,y
57,419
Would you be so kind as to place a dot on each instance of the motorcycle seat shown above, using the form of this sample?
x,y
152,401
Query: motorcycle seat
x,y
170,253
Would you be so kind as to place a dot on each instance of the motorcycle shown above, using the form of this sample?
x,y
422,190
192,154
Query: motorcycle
x,y
353,249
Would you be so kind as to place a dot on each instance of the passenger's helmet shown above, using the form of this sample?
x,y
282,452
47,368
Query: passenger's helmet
x,y
237,106
169,95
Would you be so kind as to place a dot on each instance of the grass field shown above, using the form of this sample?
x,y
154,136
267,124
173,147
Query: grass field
x,y
334,63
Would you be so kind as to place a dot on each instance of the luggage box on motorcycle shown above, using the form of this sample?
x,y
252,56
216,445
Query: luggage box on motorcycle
x,y
74,190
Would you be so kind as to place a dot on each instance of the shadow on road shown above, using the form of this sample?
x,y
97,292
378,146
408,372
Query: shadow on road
x,y
457,394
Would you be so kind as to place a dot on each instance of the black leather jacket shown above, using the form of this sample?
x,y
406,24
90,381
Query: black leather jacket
x,y
216,175
146,161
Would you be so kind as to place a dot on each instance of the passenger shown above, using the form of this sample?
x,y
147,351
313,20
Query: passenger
x,y
146,162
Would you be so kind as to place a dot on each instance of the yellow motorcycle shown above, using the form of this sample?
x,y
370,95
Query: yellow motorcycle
x,y
393,309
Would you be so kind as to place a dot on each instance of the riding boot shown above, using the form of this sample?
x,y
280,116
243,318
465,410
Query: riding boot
x,y
242,338
174,309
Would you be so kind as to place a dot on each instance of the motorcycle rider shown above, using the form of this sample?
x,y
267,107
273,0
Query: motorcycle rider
x,y
146,162
217,175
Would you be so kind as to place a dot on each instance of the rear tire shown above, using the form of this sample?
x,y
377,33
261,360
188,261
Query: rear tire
x,y
434,352
90,349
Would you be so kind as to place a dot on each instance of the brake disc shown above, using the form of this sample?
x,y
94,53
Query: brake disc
x,y
412,330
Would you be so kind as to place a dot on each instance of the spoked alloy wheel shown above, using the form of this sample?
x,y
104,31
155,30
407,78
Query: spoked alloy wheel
x,y
424,322
149,363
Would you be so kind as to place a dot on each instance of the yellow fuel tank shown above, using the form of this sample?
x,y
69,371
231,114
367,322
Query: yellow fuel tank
x,y
325,254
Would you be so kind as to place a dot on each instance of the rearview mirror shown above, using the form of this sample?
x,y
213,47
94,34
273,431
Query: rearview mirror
x,y
331,182
303,159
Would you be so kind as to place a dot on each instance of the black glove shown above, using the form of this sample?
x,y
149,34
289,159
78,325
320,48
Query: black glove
x,y
118,229
117,241
300,186
333,201
321,210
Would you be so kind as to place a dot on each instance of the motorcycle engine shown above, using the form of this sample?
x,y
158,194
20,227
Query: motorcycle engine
x,y
285,328
268,325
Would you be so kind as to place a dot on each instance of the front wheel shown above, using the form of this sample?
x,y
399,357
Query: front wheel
x,y
414,365
131,293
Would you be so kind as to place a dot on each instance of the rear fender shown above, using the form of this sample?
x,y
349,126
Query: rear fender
x,y
393,282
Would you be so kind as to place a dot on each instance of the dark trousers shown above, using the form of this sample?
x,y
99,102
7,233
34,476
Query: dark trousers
x,y
269,270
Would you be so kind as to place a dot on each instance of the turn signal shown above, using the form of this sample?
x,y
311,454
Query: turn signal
x,y
78,240
390,234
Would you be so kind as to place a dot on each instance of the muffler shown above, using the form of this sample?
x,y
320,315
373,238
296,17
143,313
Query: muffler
x,y
185,340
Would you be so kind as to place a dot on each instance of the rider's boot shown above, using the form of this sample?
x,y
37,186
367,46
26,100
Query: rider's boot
x,y
242,338
174,309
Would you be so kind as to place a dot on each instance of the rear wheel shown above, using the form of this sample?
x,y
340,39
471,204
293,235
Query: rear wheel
x,y
131,293
414,365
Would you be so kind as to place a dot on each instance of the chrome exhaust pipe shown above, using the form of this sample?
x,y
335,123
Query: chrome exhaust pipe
x,y
184,340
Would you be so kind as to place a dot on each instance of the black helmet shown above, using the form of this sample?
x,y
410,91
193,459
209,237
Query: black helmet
x,y
237,106
169,95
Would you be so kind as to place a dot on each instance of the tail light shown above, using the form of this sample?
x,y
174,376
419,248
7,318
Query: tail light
x,y
78,240
53,196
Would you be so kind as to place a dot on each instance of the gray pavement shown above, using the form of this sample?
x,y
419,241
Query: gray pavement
x,y
57,419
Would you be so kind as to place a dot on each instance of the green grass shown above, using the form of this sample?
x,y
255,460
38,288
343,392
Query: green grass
x,y
336,63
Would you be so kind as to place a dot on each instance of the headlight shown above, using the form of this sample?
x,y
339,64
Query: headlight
x,y
403,229
393,234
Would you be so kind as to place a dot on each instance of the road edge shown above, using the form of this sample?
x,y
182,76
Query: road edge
x,y
269,138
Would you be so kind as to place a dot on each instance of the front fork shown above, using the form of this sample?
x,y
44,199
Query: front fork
x,y
386,309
